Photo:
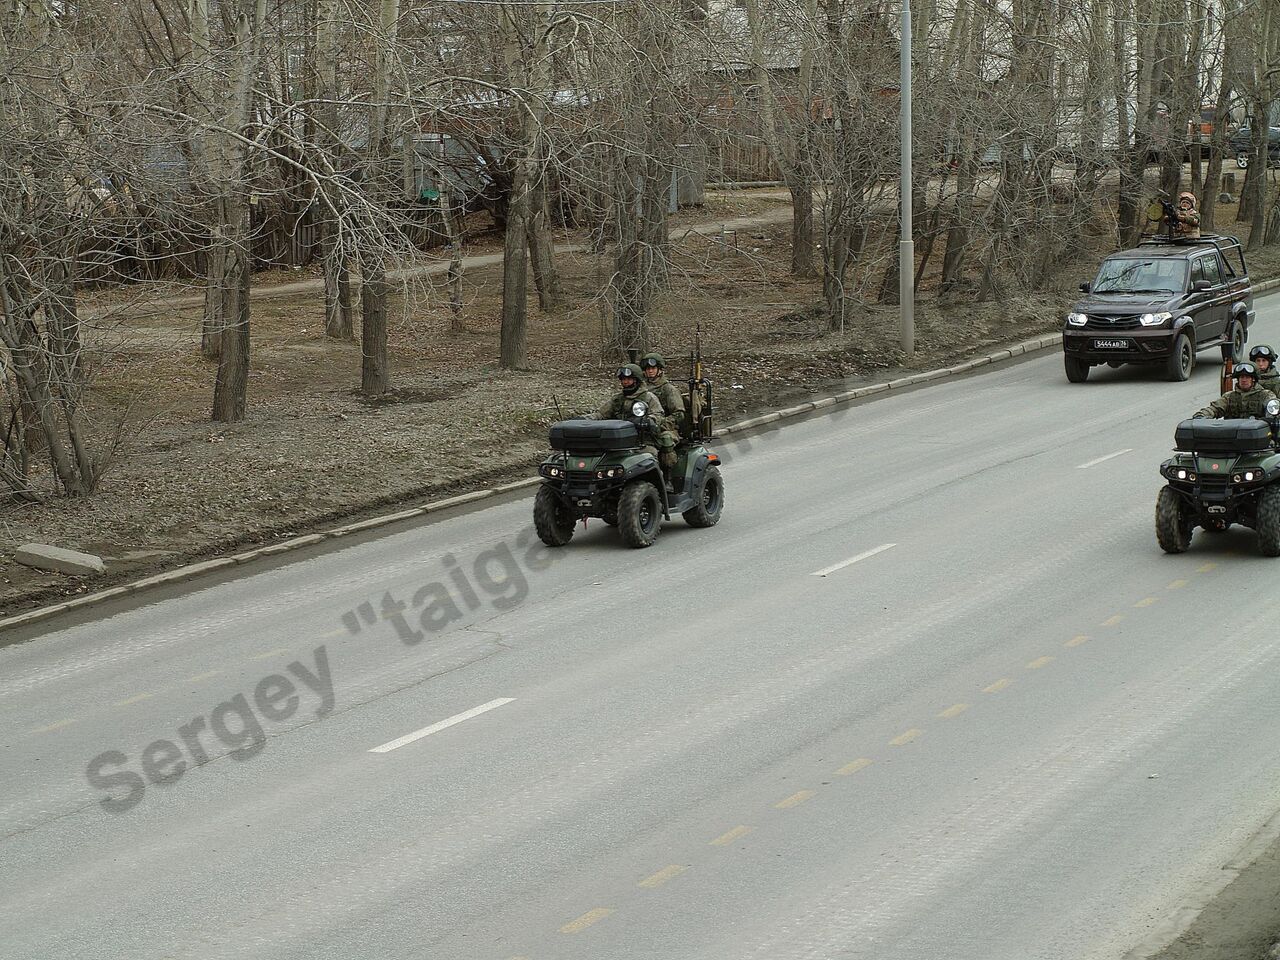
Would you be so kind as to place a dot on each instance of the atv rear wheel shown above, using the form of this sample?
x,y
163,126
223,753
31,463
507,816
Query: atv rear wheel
x,y
1269,522
1077,370
1233,349
1182,360
639,514
1173,527
710,501
552,519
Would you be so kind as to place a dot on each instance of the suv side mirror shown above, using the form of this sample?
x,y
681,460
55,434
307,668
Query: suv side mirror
x,y
1084,287
1199,286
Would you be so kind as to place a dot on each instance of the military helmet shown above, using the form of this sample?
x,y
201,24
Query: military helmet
x,y
1245,369
629,372
653,360
1264,351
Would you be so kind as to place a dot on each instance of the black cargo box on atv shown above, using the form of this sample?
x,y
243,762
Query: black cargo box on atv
x,y
594,435
1222,436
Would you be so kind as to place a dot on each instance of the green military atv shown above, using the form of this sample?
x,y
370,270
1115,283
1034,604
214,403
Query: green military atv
x,y
1223,472
600,468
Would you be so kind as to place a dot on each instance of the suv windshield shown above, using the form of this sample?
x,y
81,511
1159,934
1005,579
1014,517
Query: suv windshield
x,y
1125,275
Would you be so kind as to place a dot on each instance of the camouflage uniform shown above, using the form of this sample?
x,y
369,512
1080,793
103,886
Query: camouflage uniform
x,y
1188,222
1236,404
1269,379
618,407
671,396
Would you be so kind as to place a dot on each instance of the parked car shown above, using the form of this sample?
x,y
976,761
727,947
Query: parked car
x,y
1159,304
1241,144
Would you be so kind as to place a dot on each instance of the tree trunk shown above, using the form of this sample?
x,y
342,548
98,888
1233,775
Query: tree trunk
x,y
230,391
375,377
514,333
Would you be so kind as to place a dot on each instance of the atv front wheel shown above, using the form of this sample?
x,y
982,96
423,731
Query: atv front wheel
x,y
639,514
1173,528
552,519
1182,360
706,513
1077,370
1269,522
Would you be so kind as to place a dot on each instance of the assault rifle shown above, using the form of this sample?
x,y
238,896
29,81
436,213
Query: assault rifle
x,y
701,427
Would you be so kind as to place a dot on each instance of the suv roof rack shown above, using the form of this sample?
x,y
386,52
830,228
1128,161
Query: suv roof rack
x,y
1218,240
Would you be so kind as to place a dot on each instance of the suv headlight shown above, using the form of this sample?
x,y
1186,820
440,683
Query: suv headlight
x,y
1077,319
1155,319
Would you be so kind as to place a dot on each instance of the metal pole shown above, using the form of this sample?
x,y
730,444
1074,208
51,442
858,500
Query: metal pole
x,y
906,245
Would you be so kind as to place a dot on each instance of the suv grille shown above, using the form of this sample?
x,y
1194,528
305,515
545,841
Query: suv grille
x,y
1113,323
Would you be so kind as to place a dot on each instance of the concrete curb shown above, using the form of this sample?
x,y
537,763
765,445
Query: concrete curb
x,y
191,571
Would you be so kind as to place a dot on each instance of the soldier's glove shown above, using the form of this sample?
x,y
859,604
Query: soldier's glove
x,y
1198,416
667,458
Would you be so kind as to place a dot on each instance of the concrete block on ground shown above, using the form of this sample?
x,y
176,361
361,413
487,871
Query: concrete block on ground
x,y
58,560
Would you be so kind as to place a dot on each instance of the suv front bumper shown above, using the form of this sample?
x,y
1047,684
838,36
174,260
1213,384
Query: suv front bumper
x,y
1141,345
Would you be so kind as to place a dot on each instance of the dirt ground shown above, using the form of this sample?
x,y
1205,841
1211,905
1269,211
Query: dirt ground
x,y
1242,922
313,451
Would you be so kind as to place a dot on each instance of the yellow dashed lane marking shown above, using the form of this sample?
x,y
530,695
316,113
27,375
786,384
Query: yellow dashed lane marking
x,y
270,653
1145,602
860,764
998,685
1076,641
727,838
1039,662
203,676
905,738
1206,567
954,710
1176,585
797,798
132,700
586,920
1112,621
55,726
662,876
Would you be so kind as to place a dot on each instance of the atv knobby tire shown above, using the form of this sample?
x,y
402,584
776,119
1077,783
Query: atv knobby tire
x,y
710,501
1269,522
552,519
1173,528
1077,370
639,514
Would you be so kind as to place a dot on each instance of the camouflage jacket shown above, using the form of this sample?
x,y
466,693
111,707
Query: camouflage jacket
x,y
618,407
670,395
1238,403
1270,380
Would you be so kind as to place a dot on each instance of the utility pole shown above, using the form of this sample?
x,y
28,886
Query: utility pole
x,y
907,245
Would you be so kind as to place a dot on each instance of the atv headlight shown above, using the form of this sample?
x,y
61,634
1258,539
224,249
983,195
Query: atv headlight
x,y
1180,473
639,408
1077,319
1155,319
550,470
1252,475
1273,408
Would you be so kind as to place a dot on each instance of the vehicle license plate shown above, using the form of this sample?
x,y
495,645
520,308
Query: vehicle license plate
x,y
1110,344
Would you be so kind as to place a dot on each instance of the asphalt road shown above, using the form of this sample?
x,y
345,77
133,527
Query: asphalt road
x,y
1012,729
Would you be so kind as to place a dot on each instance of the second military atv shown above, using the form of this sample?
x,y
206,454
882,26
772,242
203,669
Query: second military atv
x,y
601,468
1223,472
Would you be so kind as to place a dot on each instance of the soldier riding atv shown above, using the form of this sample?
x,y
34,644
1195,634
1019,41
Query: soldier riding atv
x,y
608,468
1224,472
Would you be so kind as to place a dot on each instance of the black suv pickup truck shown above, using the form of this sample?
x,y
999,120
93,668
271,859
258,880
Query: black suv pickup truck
x,y
1161,303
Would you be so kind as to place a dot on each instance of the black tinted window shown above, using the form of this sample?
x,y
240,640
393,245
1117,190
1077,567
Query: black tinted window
x,y
1209,266
1197,271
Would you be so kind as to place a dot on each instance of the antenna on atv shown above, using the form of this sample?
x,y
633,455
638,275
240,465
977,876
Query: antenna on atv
x,y
559,412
